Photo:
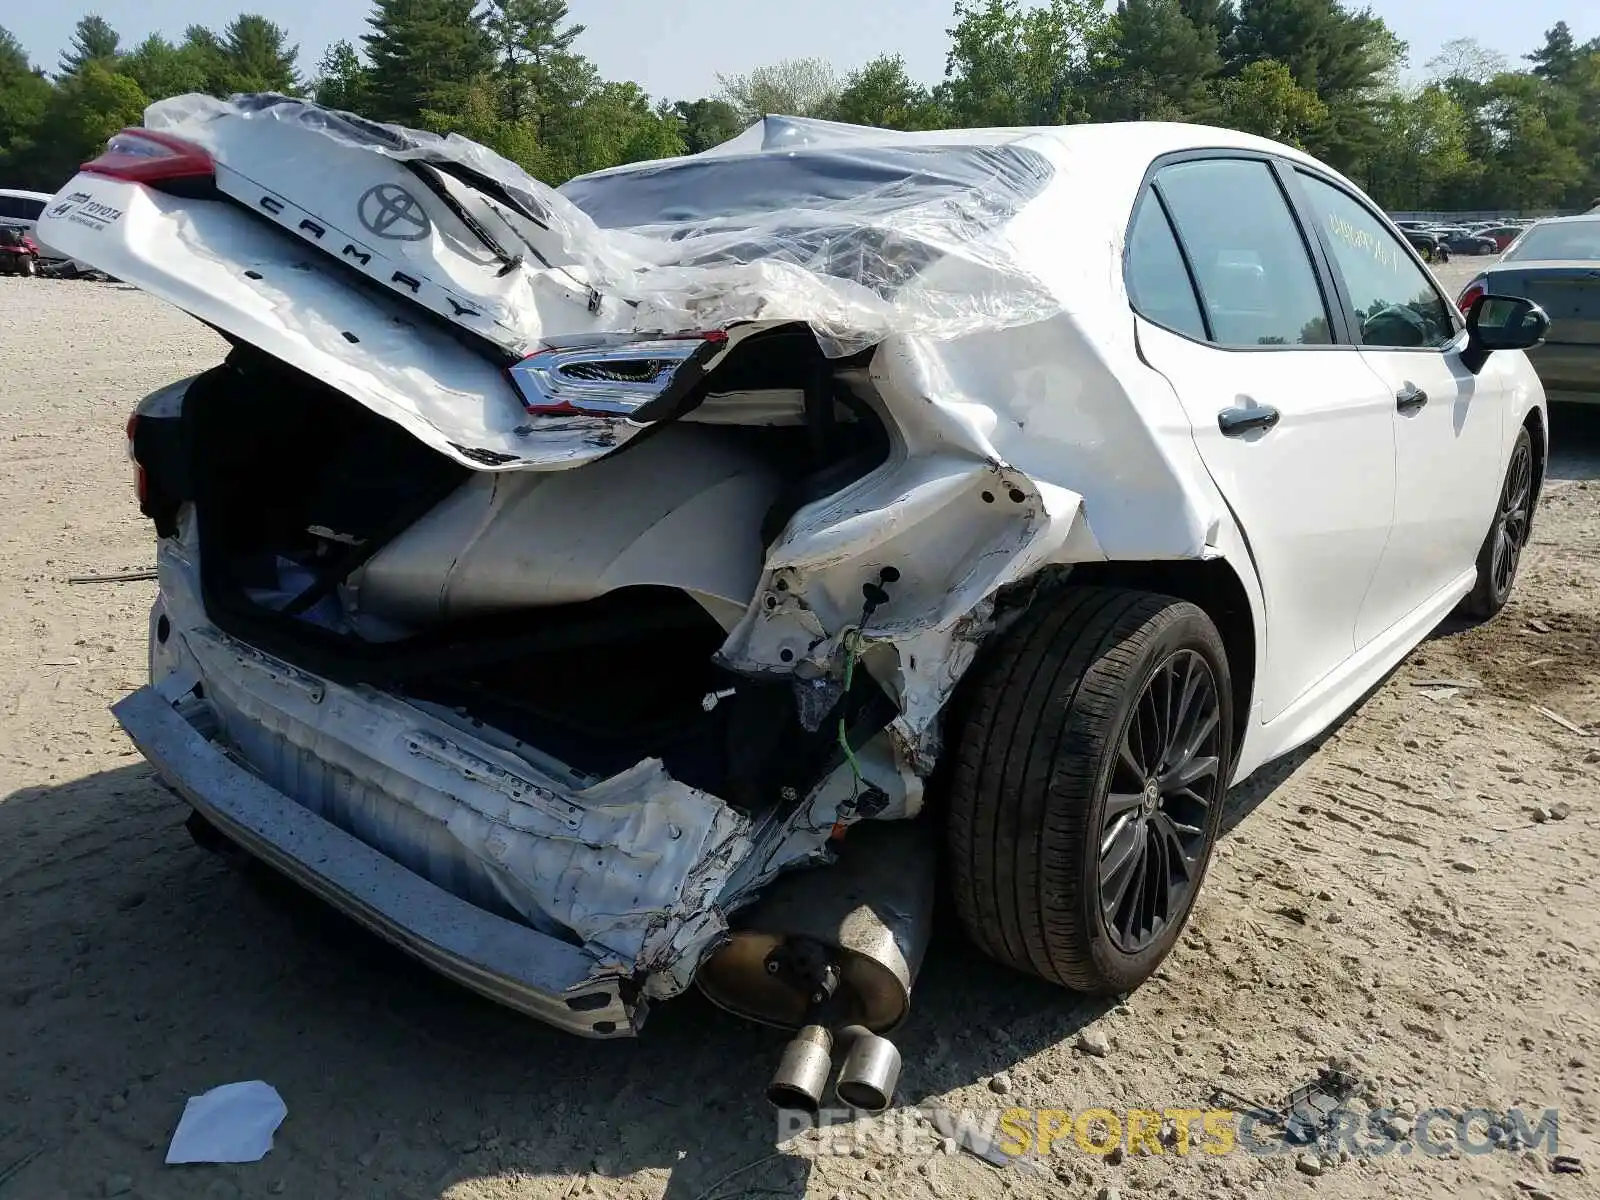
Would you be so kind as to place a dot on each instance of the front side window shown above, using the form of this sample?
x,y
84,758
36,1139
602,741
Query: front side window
x,y
1395,302
1249,258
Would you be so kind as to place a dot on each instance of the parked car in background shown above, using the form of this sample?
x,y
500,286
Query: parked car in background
x,y
21,209
1501,235
1556,264
19,253
1462,240
1426,244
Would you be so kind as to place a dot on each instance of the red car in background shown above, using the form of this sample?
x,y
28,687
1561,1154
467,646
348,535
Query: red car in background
x,y
1501,235
19,253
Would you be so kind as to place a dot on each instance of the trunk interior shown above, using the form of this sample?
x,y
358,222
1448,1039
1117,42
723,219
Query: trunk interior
x,y
299,491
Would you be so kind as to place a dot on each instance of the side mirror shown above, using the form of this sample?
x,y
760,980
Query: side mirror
x,y
1502,323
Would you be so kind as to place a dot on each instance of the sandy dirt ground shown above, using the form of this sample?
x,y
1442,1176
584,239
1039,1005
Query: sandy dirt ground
x,y
1389,896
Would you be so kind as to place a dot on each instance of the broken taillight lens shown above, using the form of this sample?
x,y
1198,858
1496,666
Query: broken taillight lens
x,y
147,156
613,379
1469,295
141,486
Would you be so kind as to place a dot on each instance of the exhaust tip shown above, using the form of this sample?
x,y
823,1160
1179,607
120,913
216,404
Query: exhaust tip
x,y
802,1074
870,1073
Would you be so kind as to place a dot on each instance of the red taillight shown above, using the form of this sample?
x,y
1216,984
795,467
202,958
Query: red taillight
x,y
140,486
1470,294
146,156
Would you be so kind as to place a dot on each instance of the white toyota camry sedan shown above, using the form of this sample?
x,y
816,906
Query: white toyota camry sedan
x,y
601,590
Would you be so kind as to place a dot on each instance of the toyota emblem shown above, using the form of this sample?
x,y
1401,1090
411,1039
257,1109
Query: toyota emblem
x,y
389,211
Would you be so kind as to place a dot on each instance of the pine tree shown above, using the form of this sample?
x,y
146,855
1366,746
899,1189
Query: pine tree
x,y
534,56
93,40
706,123
1159,64
424,55
341,80
259,56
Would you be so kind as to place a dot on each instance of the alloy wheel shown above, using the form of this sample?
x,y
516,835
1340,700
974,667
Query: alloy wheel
x,y
1167,777
1513,519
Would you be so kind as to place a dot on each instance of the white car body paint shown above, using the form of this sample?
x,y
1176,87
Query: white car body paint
x,y
1042,425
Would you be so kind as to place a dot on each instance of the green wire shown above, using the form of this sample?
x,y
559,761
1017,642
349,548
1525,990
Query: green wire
x,y
851,640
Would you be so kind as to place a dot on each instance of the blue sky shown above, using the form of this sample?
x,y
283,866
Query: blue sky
x,y
675,48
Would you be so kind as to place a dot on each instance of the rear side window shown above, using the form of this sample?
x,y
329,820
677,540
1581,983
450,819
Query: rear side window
x,y
1158,282
21,208
1395,302
1250,260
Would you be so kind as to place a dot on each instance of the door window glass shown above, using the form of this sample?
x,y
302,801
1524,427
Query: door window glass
x,y
1395,302
1158,282
1249,257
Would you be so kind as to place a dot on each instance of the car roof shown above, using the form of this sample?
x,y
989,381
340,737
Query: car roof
x,y
1090,149
1572,219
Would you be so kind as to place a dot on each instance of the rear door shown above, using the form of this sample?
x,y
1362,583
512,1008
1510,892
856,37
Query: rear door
x,y
1291,423
1448,422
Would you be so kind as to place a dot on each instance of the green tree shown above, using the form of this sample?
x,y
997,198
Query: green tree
x,y
1422,160
1157,65
85,109
1348,60
535,61
796,87
1216,17
1013,66
93,40
162,69
259,56
341,78
881,93
24,97
616,124
204,48
424,55
706,123
1561,54
1264,99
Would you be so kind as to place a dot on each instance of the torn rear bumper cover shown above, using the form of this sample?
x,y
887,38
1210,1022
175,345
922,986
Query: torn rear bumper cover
x,y
510,963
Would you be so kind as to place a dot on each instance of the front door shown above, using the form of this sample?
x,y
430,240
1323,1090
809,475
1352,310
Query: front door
x,y
1448,422
1295,429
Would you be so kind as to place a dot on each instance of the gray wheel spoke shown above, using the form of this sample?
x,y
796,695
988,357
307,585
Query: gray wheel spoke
x,y
1151,839
1191,772
1119,846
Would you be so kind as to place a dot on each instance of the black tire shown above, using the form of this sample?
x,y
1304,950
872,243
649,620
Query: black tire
x,y
1038,748
1501,553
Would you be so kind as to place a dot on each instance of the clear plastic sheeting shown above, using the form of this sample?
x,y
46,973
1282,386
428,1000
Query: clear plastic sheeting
x,y
858,233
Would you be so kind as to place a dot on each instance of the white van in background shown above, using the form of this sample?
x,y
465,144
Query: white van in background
x,y
20,210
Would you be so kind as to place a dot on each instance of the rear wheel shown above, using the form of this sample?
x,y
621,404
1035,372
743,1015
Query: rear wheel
x,y
1501,553
1087,786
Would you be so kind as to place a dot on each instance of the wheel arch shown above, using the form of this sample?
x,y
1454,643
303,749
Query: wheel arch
x,y
1534,424
1211,585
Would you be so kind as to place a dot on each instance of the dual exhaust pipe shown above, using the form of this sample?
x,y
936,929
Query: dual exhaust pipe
x,y
831,953
867,1077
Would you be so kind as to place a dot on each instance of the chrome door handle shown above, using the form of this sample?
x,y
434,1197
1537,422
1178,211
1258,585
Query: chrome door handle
x,y
1410,398
1234,422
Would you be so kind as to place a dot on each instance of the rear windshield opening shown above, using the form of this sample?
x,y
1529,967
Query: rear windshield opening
x,y
1558,241
861,182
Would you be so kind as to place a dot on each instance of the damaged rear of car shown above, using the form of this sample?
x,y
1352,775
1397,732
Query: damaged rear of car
x,y
547,579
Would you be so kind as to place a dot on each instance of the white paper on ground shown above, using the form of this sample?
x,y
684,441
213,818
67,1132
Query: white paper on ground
x,y
229,1124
